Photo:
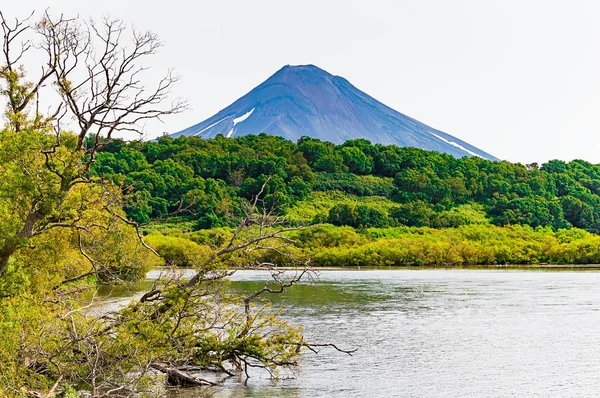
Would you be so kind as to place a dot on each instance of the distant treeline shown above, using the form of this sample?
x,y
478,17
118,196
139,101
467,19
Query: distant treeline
x,y
420,188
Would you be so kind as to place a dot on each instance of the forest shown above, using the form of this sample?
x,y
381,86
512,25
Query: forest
x,y
370,204
357,184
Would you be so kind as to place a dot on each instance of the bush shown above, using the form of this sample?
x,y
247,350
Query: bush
x,y
357,216
177,251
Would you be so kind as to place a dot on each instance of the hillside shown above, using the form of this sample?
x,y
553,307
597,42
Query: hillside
x,y
356,184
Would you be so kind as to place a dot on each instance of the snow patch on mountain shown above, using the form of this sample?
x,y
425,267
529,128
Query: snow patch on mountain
x,y
243,117
212,125
457,145
238,120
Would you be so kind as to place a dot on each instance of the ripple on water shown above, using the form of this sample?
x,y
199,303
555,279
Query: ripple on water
x,y
442,333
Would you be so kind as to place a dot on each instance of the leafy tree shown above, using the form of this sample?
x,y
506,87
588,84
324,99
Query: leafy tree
x,y
356,160
533,211
577,212
413,214
64,230
357,216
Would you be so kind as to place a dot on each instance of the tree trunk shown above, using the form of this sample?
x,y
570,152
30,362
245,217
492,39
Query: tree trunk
x,y
12,244
176,377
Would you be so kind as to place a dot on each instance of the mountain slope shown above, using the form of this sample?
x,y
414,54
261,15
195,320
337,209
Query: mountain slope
x,y
306,100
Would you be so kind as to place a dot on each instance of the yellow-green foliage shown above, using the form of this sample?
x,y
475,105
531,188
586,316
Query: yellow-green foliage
x,y
317,206
476,244
44,340
20,322
171,226
467,245
178,251
470,213
215,237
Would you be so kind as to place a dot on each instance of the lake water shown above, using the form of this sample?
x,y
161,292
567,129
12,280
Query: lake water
x,y
440,333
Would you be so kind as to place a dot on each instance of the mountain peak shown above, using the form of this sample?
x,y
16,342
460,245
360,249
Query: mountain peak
x,y
298,74
305,100
307,67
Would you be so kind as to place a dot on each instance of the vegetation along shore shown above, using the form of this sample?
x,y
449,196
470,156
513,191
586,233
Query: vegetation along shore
x,y
370,205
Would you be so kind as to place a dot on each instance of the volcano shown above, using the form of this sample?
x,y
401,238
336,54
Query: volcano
x,y
308,101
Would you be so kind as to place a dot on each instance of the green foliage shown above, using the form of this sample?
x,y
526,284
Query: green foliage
x,y
64,232
356,160
416,213
316,207
428,187
467,214
357,216
368,185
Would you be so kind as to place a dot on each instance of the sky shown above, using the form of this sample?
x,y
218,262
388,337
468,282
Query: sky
x,y
519,79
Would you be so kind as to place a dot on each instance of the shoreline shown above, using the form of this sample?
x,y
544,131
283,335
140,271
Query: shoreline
x,y
507,267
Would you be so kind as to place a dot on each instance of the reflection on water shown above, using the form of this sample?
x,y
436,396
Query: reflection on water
x,y
439,333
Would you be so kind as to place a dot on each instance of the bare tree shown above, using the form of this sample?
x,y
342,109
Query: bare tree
x,y
96,70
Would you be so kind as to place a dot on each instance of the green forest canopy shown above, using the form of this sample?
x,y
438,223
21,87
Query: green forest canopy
x,y
415,187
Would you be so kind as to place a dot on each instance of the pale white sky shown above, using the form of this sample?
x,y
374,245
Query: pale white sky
x,y
519,79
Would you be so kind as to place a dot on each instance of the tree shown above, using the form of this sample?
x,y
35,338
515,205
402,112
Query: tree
x,y
356,160
357,216
97,80
63,231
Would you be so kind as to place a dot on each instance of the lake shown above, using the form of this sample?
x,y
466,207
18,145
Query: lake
x,y
439,333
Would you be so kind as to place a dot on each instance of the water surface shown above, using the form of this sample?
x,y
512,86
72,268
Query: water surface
x,y
440,333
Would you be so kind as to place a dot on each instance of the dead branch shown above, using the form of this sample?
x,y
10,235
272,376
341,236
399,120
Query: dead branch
x,y
177,377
